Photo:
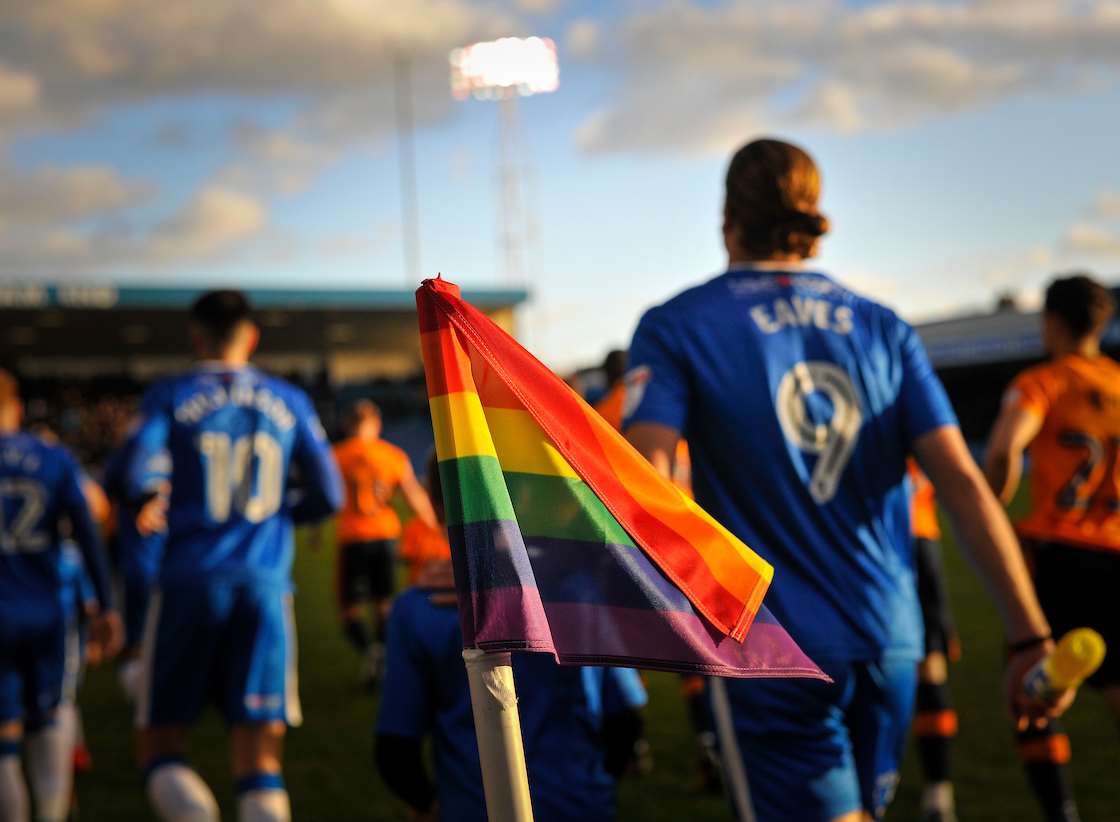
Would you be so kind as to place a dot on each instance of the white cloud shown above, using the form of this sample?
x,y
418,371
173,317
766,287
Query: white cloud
x,y
49,195
583,38
275,160
828,64
538,6
19,91
214,220
1093,239
84,54
67,61
1107,204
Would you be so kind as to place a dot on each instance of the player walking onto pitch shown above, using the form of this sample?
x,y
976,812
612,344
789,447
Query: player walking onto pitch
x,y
800,402
1067,413
368,527
40,487
220,625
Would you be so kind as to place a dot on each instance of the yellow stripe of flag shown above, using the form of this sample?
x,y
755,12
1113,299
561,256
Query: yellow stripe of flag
x,y
522,446
460,426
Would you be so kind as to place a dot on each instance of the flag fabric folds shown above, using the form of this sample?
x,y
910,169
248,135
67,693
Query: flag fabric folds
x,y
564,539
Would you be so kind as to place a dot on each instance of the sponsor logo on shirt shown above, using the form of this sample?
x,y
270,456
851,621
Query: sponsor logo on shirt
x,y
758,284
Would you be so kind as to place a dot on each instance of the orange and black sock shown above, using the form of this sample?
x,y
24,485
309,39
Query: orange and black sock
x,y
1045,754
935,725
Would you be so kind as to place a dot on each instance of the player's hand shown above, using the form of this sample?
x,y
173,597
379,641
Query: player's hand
x,y
106,631
1022,708
152,518
430,815
94,654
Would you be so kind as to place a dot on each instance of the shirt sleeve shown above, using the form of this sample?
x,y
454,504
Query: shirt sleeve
x,y
322,491
74,505
148,442
1028,392
406,705
623,690
657,383
924,404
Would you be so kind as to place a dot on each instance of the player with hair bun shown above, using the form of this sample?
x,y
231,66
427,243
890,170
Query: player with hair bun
x,y
800,402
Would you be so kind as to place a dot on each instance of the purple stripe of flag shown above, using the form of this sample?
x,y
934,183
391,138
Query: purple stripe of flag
x,y
569,570
594,603
589,634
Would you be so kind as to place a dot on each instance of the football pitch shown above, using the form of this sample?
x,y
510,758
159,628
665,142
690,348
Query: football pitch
x,y
329,765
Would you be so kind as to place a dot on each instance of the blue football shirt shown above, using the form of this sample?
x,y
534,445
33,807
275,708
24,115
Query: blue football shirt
x,y
40,489
233,436
800,402
425,691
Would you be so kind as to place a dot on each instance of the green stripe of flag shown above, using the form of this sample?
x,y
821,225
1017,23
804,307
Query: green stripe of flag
x,y
476,490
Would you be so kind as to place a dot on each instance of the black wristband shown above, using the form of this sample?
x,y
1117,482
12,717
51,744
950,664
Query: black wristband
x,y
1026,644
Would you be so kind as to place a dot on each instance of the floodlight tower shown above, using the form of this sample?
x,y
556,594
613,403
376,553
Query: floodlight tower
x,y
504,70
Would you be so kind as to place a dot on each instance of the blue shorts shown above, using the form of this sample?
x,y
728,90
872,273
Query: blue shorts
x,y
227,643
39,665
813,750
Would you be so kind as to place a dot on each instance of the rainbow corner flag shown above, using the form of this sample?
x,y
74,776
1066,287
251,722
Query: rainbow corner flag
x,y
563,538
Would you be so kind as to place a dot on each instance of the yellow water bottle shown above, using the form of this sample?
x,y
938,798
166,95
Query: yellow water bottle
x,y
1077,655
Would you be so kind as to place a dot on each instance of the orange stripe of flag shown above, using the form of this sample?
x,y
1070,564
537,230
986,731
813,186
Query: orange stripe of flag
x,y
677,513
446,363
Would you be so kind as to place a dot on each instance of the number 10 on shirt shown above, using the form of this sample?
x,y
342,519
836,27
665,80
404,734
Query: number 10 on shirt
x,y
243,474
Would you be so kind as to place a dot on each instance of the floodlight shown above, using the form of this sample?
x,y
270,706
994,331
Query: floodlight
x,y
510,67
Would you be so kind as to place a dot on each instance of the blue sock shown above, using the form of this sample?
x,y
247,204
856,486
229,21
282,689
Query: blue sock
x,y
260,781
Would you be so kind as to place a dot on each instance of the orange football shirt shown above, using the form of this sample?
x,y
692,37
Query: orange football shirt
x,y
923,506
421,544
371,472
1075,458
610,407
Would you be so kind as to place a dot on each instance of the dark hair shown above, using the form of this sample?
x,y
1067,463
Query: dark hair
x,y
614,366
217,315
772,193
361,411
1083,305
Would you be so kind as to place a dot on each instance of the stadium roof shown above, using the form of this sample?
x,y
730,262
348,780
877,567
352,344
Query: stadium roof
x,y
983,339
140,330
91,297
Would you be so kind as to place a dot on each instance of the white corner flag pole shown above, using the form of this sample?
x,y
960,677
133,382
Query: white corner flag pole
x,y
498,728
730,757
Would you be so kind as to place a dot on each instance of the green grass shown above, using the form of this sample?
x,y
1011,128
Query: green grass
x,y
331,776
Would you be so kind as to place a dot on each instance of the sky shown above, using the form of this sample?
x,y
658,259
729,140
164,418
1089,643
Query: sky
x,y
968,148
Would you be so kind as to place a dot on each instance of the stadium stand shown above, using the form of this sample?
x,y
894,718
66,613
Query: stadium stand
x,y
85,353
